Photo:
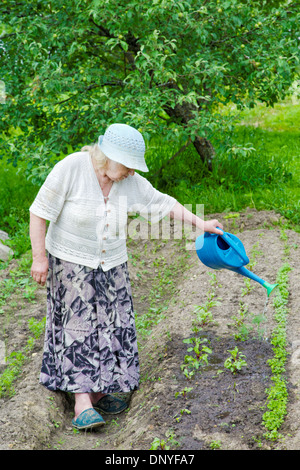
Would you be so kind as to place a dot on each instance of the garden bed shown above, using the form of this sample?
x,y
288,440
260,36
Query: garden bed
x,y
178,406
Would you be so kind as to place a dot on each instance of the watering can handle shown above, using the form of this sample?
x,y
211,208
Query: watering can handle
x,y
231,243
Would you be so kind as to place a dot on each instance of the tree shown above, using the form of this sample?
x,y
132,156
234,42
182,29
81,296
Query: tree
x,y
164,66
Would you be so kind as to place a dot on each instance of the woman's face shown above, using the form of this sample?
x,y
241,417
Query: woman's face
x,y
117,172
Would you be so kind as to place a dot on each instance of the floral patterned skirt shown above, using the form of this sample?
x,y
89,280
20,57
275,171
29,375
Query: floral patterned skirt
x,y
90,339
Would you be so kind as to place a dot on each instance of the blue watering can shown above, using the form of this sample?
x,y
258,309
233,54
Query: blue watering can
x,y
227,251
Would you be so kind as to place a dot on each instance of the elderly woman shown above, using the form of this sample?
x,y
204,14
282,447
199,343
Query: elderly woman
x,y
90,344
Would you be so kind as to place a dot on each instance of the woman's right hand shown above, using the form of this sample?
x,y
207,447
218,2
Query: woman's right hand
x,y
39,270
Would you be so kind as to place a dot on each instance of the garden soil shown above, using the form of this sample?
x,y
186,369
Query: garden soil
x,y
214,409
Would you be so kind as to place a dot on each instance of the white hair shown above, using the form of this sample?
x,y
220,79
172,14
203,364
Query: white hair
x,y
97,154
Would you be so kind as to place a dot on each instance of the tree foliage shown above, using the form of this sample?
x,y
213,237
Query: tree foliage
x,y
164,66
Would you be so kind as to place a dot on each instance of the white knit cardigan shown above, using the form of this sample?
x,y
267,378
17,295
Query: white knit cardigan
x,y
86,228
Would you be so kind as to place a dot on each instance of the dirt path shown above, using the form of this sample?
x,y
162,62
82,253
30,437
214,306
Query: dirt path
x,y
214,408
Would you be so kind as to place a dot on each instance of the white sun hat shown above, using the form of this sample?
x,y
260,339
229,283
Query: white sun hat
x,y
124,144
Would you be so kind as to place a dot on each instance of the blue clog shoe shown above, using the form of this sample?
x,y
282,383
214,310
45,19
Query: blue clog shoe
x,y
111,405
88,419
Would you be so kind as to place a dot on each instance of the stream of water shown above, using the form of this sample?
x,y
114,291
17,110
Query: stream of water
x,y
265,318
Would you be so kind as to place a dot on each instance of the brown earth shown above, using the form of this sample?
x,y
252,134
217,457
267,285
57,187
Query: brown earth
x,y
221,409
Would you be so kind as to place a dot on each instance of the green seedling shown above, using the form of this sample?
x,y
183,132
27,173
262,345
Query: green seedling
x,y
235,361
182,411
255,253
215,445
201,352
194,362
240,323
164,444
204,316
248,287
240,318
184,392
189,374
36,327
203,312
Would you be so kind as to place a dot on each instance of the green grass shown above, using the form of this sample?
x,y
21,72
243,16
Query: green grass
x,y
16,196
283,117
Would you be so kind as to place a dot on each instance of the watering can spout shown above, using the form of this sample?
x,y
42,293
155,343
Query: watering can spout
x,y
269,287
227,251
245,272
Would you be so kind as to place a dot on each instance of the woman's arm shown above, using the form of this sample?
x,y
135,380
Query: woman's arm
x,y
40,265
179,212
